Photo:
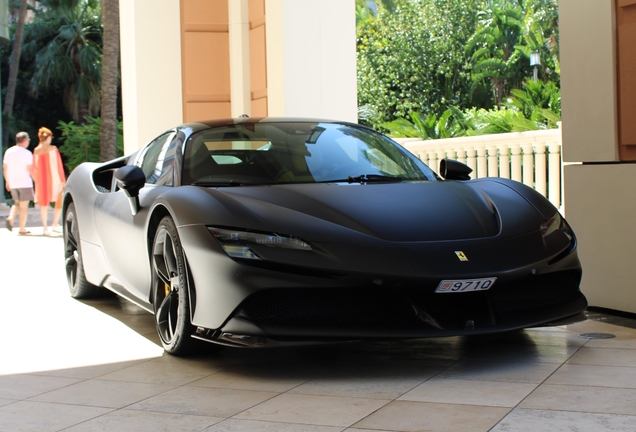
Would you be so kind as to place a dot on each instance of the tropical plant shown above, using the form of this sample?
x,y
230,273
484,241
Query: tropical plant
x,y
71,57
493,47
535,95
452,123
82,142
541,35
408,61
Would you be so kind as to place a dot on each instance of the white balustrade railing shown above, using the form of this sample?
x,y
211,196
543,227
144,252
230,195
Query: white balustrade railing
x,y
533,158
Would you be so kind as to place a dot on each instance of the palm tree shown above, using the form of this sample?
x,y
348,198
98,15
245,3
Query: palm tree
x,y
14,64
71,58
110,60
494,47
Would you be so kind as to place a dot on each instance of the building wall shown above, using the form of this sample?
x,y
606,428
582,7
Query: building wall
x,y
239,31
259,99
600,199
150,68
191,60
311,53
205,57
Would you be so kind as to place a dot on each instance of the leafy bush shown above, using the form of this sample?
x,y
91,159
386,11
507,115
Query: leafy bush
x,y
537,101
414,60
452,123
81,142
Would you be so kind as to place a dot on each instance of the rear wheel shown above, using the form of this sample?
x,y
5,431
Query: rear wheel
x,y
171,291
79,287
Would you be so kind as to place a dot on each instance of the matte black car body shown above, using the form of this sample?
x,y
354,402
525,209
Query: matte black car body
x,y
369,252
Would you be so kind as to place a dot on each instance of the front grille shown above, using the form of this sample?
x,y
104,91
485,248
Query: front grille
x,y
348,306
325,306
536,291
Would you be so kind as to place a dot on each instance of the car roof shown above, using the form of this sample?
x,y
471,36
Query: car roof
x,y
206,124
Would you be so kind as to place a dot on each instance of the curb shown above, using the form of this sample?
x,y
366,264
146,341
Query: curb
x,y
33,220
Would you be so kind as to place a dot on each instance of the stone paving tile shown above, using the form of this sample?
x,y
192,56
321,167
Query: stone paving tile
x,y
524,370
367,430
313,410
583,399
237,425
409,416
26,416
270,378
25,386
470,392
525,420
556,336
167,370
211,402
593,375
7,401
141,421
604,357
88,372
370,382
100,393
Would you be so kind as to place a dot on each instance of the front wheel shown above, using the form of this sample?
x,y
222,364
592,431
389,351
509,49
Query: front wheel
x,y
79,287
171,291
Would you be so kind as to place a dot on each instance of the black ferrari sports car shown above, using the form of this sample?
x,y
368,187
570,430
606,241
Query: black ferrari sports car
x,y
259,232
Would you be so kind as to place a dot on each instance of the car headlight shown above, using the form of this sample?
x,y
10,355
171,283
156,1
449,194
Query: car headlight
x,y
556,223
237,243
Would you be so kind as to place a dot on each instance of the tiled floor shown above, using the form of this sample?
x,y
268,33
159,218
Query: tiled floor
x,y
67,365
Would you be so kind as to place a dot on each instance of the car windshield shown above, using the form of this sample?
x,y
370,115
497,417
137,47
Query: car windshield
x,y
296,152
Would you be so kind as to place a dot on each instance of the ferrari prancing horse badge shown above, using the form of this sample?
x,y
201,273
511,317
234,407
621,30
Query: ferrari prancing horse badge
x,y
461,255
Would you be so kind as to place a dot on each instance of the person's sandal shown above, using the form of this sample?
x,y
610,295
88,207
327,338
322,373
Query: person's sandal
x,y
9,224
24,233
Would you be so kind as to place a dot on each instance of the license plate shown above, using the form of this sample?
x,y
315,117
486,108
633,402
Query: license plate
x,y
465,285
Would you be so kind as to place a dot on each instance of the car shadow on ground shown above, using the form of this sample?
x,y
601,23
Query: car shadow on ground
x,y
356,360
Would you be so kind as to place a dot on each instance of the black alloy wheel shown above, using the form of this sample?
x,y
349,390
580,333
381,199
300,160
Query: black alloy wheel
x,y
171,290
79,287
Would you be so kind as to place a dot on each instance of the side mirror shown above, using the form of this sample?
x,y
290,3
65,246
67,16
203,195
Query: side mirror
x,y
453,170
131,179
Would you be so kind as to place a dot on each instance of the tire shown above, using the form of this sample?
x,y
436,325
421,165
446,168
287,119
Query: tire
x,y
79,287
171,287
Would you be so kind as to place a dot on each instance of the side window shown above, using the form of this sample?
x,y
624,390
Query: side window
x,y
152,160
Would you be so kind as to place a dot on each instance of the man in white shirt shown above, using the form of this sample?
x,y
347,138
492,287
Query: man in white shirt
x,y
17,165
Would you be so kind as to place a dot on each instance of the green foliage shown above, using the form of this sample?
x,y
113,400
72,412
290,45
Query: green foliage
x,y
366,9
452,123
414,60
537,101
508,31
443,68
66,41
537,106
82,142
494,56
29,113
542,35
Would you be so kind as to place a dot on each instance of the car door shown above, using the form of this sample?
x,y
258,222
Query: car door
x,y
124,236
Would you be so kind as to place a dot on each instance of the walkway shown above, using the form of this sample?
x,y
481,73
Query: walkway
x,y
68,365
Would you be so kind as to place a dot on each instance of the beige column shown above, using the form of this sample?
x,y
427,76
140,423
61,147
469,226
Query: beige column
x,y
599,191
239,27
150,69
311,58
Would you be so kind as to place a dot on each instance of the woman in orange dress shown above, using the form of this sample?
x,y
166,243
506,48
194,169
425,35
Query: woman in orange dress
x,y
49,179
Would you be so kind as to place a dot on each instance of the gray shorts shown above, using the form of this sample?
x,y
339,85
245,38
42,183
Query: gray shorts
x,y
22,194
